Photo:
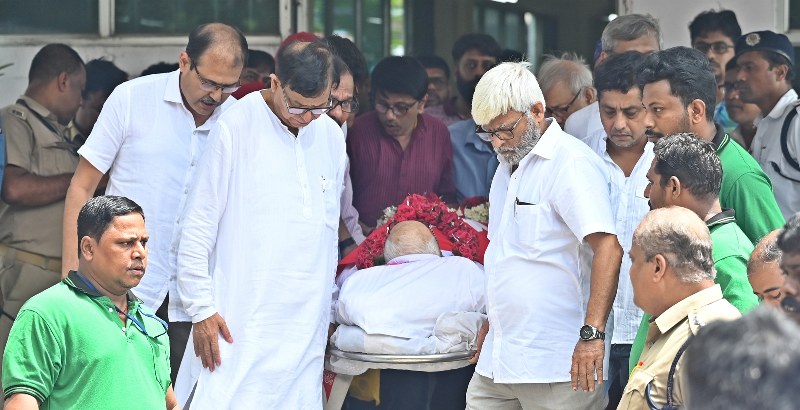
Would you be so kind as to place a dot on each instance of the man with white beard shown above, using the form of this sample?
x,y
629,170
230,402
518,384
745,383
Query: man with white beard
x,y
544,337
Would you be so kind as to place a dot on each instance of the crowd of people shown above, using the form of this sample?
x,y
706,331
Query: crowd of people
x,y
172,240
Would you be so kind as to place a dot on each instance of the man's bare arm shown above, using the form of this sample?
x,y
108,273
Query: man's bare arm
x,y
21,401
172,401
81,189
20,187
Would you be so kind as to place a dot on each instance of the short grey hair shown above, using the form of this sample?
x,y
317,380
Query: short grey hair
x,y
507,87
410,242
682,238
569,68
766,251
630,27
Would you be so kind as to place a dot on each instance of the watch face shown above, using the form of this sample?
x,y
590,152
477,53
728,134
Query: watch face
x,y
587,332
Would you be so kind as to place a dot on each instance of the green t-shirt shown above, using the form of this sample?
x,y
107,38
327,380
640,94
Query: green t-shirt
x,y
730,250
747,190
68,349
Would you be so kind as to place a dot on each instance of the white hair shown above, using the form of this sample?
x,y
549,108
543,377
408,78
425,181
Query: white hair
x,y
569,69
628,28
410,243
508,87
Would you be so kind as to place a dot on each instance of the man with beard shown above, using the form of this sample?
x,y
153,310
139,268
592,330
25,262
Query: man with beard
x,y
149,137
714,33
626,155
546,319
789,244
632,32
766,71
473,55
396,150
678,88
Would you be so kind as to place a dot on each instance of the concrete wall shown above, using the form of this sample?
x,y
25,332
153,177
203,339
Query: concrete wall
x,y
675,15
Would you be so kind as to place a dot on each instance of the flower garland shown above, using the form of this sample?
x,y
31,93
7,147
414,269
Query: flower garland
x,y
430,210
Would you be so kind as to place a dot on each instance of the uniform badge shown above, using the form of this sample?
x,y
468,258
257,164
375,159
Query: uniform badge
x,y
752,39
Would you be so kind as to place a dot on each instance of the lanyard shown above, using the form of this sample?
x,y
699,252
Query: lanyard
x,y
48,125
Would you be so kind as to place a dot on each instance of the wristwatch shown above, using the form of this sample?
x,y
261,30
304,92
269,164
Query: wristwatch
x,y
589,332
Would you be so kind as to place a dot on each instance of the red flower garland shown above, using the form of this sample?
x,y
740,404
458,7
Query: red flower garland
x,y
430,210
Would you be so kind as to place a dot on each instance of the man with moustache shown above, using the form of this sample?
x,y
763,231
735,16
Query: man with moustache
x,y
789,244
149,137
632,32
764,270
714,34
529,347
766,72
473,55
626,155
397,150
87,342
742,113
678,89
438,79
257,251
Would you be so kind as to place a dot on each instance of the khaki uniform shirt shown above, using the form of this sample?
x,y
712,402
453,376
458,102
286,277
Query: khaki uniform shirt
x,y
666,335
40,147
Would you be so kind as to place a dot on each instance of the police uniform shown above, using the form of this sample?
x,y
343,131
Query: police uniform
x,y
30,237
766,147
665,336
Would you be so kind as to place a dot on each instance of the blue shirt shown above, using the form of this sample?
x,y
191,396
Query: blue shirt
x,y
474,161
721,117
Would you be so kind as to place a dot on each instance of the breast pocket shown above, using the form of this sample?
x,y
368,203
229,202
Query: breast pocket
x,y
637,385
56,158
533,222
331,198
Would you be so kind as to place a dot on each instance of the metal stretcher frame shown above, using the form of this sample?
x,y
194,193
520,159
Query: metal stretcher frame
x,y
403,359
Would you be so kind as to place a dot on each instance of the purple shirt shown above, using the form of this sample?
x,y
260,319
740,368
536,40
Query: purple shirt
x,y
383,174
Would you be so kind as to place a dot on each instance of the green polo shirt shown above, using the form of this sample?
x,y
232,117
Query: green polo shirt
x,y
69,349
730,250
746,189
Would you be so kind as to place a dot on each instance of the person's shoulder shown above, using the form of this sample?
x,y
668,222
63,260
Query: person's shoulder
x,y
730,240
736,161
720,309
364,126
14,113
53,301
461,264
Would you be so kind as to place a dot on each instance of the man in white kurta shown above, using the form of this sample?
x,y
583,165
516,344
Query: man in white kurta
x,y
258,252
546,318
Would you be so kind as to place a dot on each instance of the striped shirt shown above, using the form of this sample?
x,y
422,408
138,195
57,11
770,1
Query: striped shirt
x,y
383,174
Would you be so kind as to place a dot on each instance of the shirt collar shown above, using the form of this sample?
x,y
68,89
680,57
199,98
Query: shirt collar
x,y
725,217
721,138
681,310
786,101
411,258
76,281
173,91
38,108
546,146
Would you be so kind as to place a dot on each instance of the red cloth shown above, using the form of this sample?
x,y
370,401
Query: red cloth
x,y
383,174
444,244
247,89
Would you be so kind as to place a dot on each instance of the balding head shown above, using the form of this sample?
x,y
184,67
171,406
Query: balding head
x,y
410,238
219,39
764,270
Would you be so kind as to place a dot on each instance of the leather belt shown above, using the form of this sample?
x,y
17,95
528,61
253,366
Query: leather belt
x,y
44,262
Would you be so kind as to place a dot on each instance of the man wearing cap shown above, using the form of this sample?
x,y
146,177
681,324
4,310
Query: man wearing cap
x,y
766,70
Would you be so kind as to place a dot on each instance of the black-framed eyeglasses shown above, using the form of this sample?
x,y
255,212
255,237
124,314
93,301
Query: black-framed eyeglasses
x,y
718,47
562,111
503,134
140,325
398,110
349,106
317,111
210,86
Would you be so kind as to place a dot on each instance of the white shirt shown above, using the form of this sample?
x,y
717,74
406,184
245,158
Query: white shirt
x,y
536,294
585,122
146,139
259,246
629,206
405,297
348,211
766,149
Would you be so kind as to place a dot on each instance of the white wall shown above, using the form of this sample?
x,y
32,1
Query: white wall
x,y
675,15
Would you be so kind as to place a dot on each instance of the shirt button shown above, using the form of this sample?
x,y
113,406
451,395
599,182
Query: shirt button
x,y
186,191
111,310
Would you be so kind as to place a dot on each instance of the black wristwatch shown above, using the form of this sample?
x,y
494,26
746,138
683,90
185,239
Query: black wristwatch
x,y
589,332
344,244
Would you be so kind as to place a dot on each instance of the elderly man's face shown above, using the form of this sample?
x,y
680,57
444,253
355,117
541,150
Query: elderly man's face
x,y
766,280
666,114
718,48
562,101
287,100
514,134
622,115
790,266
641,274
646,44
342,96
118,260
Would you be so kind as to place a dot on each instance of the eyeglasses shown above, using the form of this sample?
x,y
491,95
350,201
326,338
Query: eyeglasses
x,y
503,134
718,47
141,326
210,86
561,111
349,106
317,111
398,110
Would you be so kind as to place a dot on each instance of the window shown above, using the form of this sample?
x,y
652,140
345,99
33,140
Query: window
x,y
48,16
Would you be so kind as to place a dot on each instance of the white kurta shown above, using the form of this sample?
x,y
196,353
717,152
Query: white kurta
x,y
262,218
